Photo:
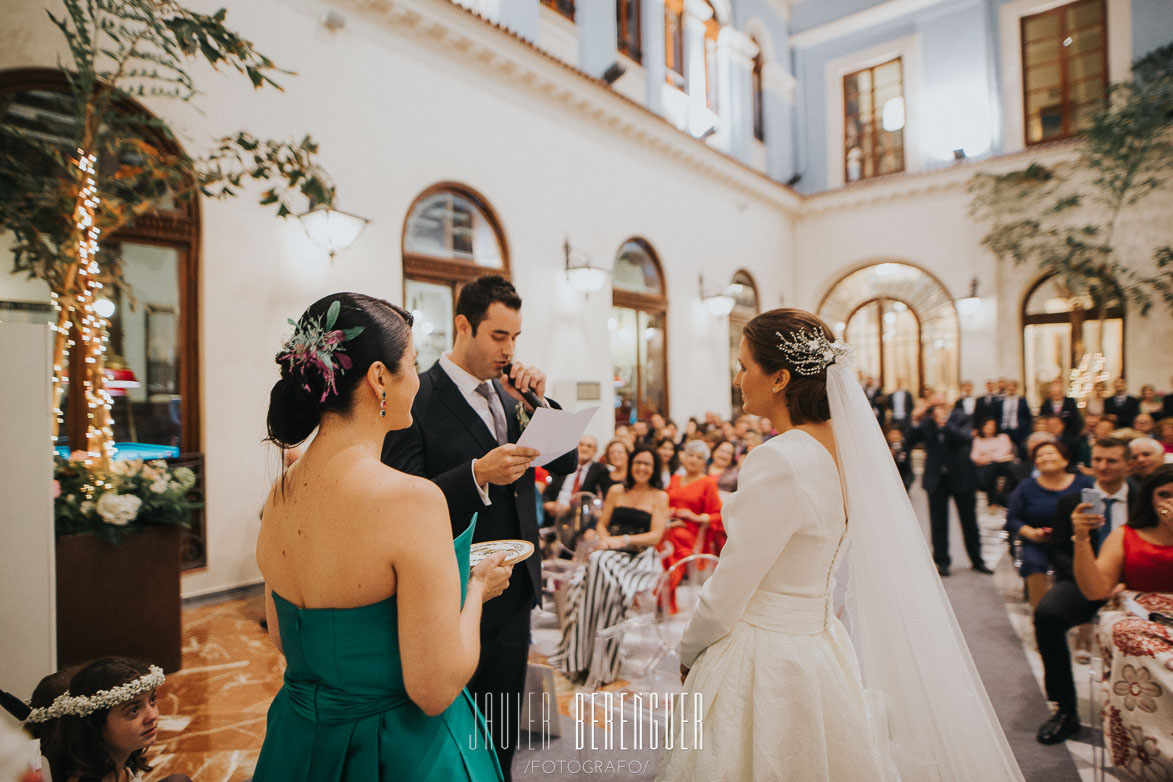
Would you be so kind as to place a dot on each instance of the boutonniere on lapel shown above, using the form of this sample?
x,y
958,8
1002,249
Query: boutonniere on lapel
x,y
523,417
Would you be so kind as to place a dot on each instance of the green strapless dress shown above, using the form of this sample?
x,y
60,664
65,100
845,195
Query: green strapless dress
x,y
343,712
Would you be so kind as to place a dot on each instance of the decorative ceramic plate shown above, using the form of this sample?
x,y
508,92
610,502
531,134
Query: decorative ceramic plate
x,y
515,551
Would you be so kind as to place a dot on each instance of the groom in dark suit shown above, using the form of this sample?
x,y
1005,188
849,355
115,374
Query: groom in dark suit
x,y
463,438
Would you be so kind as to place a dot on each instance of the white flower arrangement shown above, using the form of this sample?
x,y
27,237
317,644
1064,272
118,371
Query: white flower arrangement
x,y
66,704
118,509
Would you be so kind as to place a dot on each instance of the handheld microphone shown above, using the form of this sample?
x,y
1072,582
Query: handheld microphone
x,y
529,396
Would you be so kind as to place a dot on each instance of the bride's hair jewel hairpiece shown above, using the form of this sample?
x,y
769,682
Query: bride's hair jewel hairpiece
x,y
317,345
84,705
809,351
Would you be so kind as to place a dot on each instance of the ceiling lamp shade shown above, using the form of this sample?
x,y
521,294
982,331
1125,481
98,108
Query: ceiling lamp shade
x,y
332,229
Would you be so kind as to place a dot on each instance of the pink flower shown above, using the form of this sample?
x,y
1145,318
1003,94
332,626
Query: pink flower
x,y
56,488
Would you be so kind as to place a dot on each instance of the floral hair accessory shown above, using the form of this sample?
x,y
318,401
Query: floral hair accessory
x,y
84,705
810,352
318,345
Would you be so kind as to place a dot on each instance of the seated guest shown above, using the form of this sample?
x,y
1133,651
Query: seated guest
x,y
994,455
1054,426
106,720
900,455
1138,653
1167,432
1144,424
1144,456
1064,606
1032,509
632,525
1104,427
752,440
614,459
1149,402
695,510
624,435
585,478
669,459
723,467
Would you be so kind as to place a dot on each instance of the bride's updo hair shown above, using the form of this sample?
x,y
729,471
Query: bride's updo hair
x,y
806,395
299,398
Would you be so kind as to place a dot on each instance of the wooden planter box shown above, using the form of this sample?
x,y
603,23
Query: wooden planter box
x,y
120,600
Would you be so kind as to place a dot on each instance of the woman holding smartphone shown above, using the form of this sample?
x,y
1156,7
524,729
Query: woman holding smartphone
x,y
1031,508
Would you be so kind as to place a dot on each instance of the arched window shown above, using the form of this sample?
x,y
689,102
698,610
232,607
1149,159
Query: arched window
x,y
153,350
759,114
450,237
902,323
1059,328
638,340
745,295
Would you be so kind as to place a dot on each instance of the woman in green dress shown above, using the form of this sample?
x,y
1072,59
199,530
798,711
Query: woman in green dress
x,y
367,595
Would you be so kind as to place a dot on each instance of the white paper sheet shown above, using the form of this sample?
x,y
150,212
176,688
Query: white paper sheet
x,y
555,432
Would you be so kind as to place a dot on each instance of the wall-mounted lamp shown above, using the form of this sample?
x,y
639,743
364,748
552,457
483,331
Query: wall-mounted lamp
x,y
581,275
718,304
612,74
331,229
969,304
959,154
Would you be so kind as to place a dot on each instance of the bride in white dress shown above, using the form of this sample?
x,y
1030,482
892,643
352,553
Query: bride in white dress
x,y
783,695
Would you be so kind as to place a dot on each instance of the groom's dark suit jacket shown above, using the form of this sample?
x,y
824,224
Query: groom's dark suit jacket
x,y
445,436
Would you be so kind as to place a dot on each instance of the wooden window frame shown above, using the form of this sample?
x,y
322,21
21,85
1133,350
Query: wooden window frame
x,y
674,44
564,8
652,304
628,13
1075,317
1065,105
876,120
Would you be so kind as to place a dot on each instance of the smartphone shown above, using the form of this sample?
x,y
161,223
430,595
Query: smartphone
x,y
1097,502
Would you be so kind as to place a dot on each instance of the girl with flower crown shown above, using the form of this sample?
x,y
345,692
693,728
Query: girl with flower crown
x,y
103,723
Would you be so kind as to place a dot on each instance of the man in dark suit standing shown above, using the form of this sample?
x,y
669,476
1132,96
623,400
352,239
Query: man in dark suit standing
x,y
1064,606
949,472
1066,409
968,402
900,404
463,437
1121,405
989,405
1016,418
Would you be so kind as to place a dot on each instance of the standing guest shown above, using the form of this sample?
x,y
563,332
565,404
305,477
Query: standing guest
x,y
669,459
615,457
875,396
723,468
967,401
1031,511
695,510
1144,456
1167,432
670,431
1121,405
1094,403
900,405
1144,424
900,455
1064,606
993,455
1148,401
1016,418
585,478
1002,385
462,436
989,404
1064,408
625,563
949,472
105,722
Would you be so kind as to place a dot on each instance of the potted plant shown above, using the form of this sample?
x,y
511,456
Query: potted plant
x,y
118,558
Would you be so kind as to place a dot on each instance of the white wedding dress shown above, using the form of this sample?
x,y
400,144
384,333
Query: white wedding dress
x,y
781,696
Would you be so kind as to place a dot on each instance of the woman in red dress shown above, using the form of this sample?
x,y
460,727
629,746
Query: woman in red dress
x,y
695,524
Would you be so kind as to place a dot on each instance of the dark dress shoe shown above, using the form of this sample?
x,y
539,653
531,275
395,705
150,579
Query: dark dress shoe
x,y
981,568
942,570
1060,727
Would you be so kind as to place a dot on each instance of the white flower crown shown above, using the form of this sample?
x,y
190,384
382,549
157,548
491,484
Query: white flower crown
x,y
810,352
84,705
